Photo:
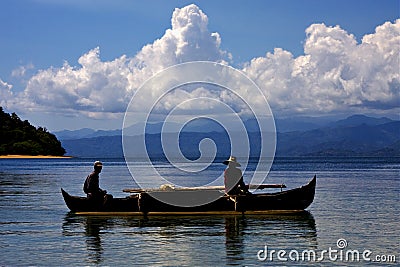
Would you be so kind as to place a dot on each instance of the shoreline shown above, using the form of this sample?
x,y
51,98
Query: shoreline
x,y
33,157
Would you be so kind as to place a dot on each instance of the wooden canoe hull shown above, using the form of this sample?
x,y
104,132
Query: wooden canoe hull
x,y
297,199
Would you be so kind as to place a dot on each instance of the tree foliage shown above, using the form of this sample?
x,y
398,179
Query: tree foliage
x,y
19,137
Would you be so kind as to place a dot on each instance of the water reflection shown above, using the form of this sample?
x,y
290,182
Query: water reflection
x,y
242,236
234,236
298,228
93,227
243,233
93,240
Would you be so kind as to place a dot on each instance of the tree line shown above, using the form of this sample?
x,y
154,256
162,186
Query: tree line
x,y
19,137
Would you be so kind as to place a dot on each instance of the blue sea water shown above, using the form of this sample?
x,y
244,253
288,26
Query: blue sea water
x,y
356,204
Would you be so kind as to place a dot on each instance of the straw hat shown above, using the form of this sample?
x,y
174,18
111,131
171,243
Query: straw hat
x,y
232,159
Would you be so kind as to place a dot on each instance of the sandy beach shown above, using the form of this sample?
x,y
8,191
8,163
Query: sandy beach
x,y
33,157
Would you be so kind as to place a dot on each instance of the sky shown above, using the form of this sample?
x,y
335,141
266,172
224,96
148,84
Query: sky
x,y
70,64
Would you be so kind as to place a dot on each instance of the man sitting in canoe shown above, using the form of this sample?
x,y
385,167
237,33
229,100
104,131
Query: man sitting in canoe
x,y
91,186
233,178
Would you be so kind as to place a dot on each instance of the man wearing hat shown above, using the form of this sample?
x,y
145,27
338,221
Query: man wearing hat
x,y
91,186
233,178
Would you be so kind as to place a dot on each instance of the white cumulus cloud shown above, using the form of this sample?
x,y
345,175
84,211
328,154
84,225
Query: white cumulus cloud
x,y
21,71
6,95
97,87
335,73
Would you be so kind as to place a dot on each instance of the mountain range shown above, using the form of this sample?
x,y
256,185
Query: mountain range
x,y
357,135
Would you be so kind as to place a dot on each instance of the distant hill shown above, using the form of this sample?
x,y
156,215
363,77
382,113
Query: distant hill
x,y
20,137
360,140
283,125
138,129
355,136
84,133
111,146
356,120
101,146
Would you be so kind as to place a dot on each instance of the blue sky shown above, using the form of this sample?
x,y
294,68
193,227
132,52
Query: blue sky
x,y
41,35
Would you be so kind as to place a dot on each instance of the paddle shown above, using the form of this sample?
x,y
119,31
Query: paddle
x,y
171,188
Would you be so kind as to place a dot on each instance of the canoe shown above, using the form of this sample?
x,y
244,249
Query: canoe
x,y
145,203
